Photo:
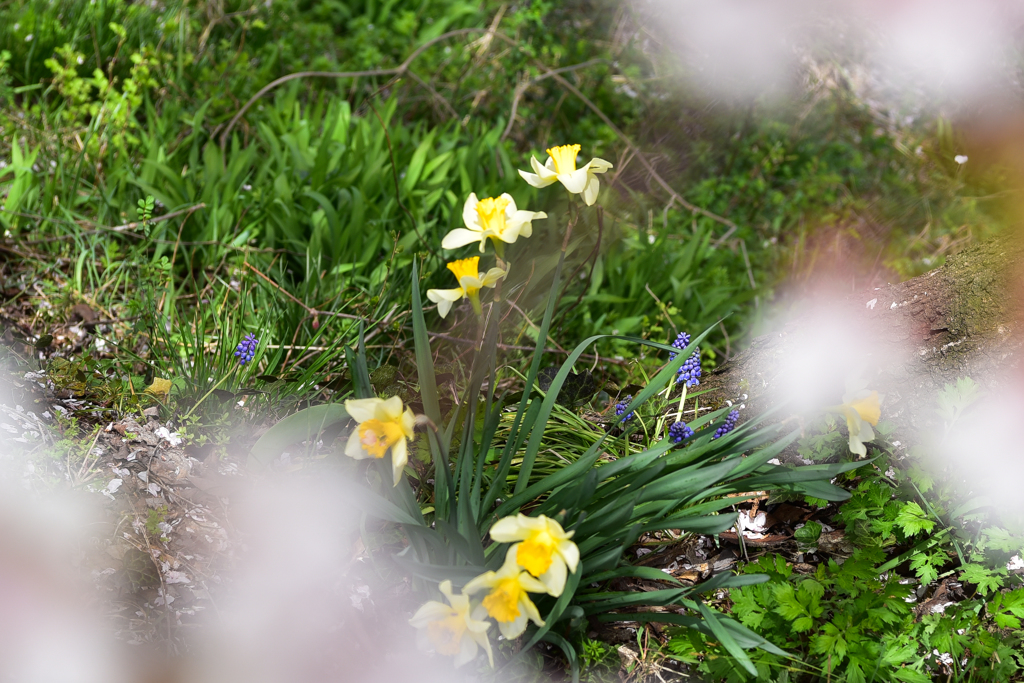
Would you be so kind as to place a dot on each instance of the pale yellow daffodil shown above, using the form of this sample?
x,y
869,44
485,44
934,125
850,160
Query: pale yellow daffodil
x,y
471,281
451,629
546,551
561,167
383,425
508,601
496,218
862,409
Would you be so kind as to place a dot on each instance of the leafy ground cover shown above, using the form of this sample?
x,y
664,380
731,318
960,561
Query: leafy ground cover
x,y
144,240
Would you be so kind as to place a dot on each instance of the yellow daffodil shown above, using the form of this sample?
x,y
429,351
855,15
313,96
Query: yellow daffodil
x,y
561,166
545,551
383,425
508,601
451,629
862,409
496,218
471,280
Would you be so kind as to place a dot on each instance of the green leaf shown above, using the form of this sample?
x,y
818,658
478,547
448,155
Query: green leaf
x,y
304,425
912,519
808,533
424,361
985,579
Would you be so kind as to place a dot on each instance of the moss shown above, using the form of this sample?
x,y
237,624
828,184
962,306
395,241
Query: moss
x,y
978,282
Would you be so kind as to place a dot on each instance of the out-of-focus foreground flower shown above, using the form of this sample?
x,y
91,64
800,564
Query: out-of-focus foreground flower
x,y
451,629
862,410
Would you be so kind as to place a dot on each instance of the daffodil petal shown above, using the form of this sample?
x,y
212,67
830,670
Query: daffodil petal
x,y
510,234
460,237
354,447
449,295
429,612
570,553
470,282
485,580
546,170
467,652
513,629
590,191
399,459
534,179
510,208
508,529
469,214
492,276
409,423
362,409
574,182
599,165
390,409
554,578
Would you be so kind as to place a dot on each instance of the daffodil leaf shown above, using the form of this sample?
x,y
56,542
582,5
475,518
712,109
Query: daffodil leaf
x,y
301,426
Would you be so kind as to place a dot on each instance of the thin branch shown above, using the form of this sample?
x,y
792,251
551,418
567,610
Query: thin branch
x,y
395,73
521,88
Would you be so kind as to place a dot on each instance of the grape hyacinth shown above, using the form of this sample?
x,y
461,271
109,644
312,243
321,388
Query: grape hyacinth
x,y
728,425
620,408
680,343
247,349
690,371
679,431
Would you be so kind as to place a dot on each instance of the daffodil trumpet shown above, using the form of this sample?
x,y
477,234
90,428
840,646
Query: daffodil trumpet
x,y
451,629
383,425
862,410
493,218
471,281
561,167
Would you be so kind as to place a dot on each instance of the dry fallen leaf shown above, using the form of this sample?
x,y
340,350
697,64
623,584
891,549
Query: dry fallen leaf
x,y
159,387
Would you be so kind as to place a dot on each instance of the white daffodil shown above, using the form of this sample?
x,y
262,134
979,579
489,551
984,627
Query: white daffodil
x,y
561,166
508,601
546,551
471,280
451,629
496,218
383,424
862,409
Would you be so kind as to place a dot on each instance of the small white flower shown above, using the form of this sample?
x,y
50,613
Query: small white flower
x,y
960,159
28,38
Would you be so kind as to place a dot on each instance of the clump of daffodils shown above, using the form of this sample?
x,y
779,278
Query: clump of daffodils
x,y
561,167
471,281
539,560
